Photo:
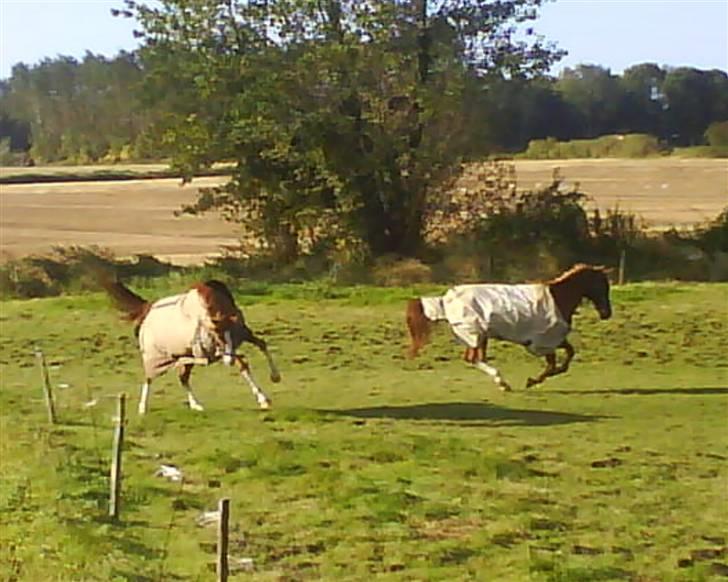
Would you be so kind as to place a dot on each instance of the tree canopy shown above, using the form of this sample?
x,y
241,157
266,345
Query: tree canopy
x,y
330,108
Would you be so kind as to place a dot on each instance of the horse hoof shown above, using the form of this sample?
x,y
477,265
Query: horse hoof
x,y
265,405
505,387
197,407
275,378
530,382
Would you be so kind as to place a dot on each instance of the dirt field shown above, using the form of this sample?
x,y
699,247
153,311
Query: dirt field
x,y
137,216
129,217
665,192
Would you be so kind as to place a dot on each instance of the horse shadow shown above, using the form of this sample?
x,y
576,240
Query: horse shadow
x,y
469,413
701,391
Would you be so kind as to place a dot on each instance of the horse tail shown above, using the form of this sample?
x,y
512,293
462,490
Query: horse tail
x,y
418,325
133,307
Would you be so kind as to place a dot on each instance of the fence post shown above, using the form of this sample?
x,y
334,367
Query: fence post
x,y
222,540
47,391
622,265
116,451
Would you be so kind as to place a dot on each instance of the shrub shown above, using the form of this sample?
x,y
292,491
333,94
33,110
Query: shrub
x,y
717,134
635,145
398,272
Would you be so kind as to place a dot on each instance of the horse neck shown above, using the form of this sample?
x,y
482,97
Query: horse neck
x,y
567,295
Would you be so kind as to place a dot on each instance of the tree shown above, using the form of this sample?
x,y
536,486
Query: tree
x,y
77,110
694,99
335,108
596,94
644,100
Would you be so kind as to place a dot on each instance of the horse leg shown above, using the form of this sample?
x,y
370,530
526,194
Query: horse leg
x,y
260,397
184,380
476,356
569,349
275,375
550,370
144,396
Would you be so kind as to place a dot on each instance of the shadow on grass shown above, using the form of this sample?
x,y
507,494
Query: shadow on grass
x,y
647,391
473,412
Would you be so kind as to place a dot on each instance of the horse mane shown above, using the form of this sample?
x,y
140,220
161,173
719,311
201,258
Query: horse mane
x,y
133,307
211,292
418,325
575,269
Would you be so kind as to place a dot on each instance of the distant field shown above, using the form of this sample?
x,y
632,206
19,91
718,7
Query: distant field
x,y
136,216
665,192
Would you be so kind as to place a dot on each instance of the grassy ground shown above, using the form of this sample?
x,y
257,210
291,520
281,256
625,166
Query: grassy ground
x,y
371,466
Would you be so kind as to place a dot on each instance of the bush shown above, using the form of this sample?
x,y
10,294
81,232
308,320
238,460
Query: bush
x,y
397,272
635,145
717,134
71,270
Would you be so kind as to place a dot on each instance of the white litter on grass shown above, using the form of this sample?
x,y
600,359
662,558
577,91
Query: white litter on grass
x,y
91,403
64,385
169,472
241,565
208,518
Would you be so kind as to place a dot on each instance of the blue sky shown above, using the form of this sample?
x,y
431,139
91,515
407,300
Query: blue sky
x,y
611,33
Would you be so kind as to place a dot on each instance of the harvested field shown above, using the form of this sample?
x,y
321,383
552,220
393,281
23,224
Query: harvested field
x,y
665,192
136,216
129,217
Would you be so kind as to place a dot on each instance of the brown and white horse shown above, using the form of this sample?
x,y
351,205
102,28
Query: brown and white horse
x,y
537,316
202,325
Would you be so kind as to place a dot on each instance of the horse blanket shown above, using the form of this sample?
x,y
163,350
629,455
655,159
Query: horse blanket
x,y
523,314
177,326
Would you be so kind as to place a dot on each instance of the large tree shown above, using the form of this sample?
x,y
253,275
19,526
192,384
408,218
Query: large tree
x,y
351,109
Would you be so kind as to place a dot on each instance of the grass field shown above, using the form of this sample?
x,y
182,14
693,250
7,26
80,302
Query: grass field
x,y
371,466
137,216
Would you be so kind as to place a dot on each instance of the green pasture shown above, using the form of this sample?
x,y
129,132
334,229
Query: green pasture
x,y
371,466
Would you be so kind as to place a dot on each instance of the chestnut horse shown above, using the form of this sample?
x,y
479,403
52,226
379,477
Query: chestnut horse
x,y
537,316
200,326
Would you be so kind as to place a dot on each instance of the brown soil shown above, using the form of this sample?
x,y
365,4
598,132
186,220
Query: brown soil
x,y
136,216
664,192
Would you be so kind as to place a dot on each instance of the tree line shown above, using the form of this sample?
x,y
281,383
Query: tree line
x,y
341,118
94,109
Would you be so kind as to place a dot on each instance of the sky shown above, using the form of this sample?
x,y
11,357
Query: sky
x,y
612,33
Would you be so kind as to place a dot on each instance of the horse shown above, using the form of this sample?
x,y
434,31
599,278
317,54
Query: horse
x,y
537,316
200,326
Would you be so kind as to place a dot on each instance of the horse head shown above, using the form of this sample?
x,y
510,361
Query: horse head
x,y
582,281
596,289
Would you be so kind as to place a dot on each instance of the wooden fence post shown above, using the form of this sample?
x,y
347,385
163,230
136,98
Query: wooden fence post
x,y
47,391
622,265
222,540
115,492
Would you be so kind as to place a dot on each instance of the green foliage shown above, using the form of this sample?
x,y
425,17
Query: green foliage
x,y
606,146
717,134
332,112
76,111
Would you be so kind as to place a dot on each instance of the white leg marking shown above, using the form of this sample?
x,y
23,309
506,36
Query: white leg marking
x,y
144,398
262,399
228,356
191,400
494,374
